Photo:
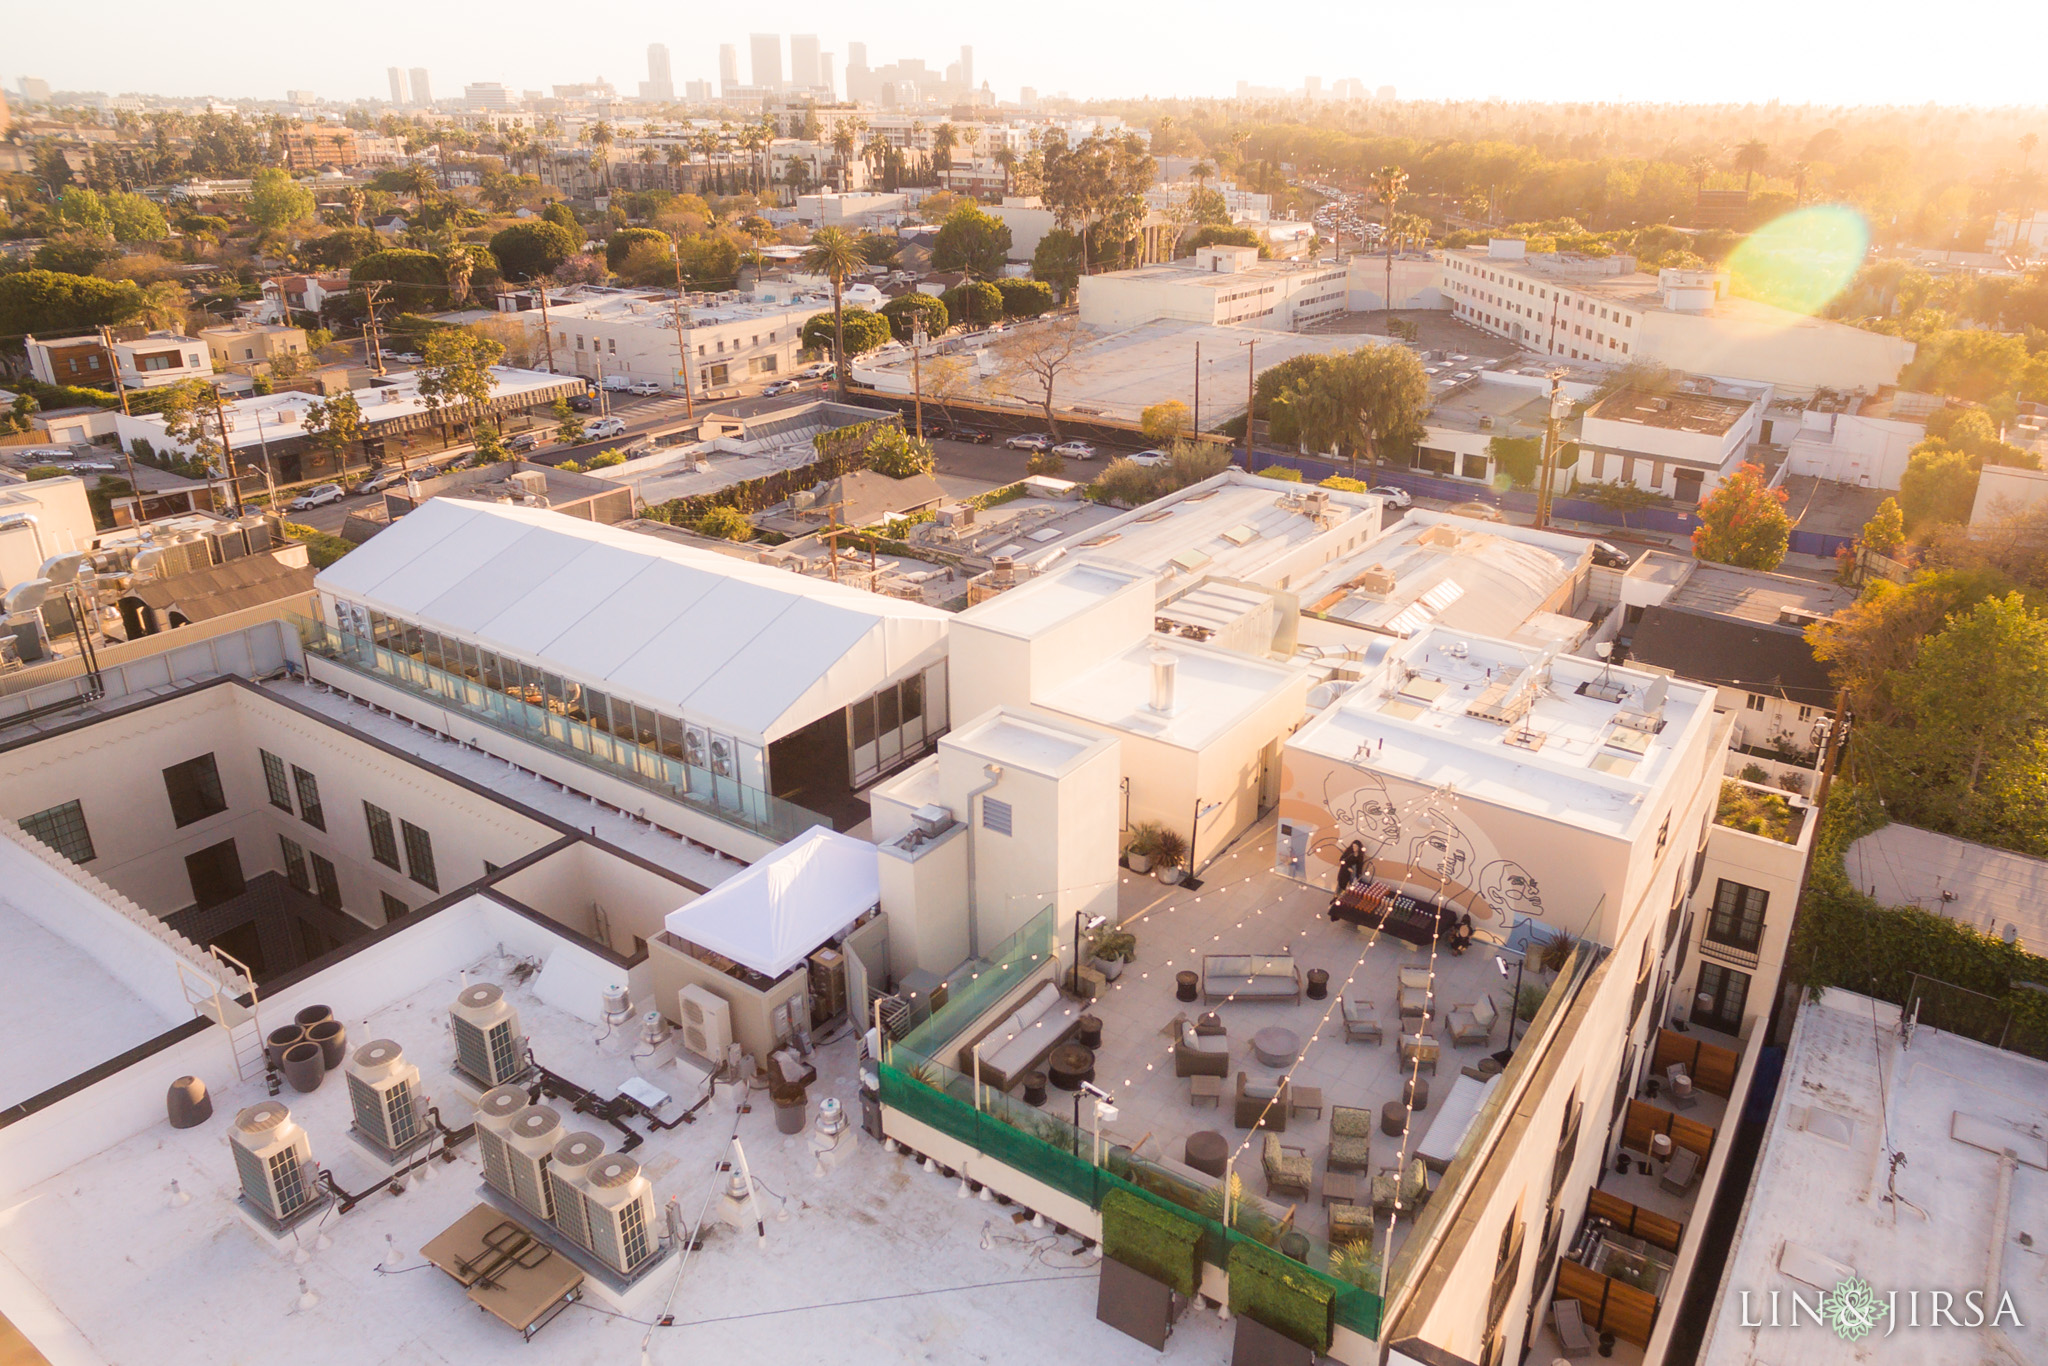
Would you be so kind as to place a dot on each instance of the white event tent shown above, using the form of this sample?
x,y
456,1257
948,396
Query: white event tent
x,y
773,915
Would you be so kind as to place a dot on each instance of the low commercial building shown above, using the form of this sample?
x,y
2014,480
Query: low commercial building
x,y
251,349
602,333
1676,443
1863,440
1604,309
827,209
153,360
1215,285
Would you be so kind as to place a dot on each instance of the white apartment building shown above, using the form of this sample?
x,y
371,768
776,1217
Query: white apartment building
x,y
598,333
1216,285
154,361
1242,205
1603,309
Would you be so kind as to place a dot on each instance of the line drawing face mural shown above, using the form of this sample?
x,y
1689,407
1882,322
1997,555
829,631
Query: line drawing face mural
x,y
1442,849
1510,890
1366,813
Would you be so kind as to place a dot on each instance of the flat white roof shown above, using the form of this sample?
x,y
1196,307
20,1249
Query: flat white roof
x,y
1994,891
1457,572
1850,1097
1037,605
745,648
1409,718
1019,741
1213,691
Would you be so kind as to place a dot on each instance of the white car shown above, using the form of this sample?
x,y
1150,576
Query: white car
x,y
1030,441
1151,460
617,384
408,357
646,388
605,426
1398,497
320,495
816,370
1074,450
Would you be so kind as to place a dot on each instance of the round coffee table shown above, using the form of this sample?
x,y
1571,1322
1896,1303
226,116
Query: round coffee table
x,y
1276,1047
1206,1152
1069,1065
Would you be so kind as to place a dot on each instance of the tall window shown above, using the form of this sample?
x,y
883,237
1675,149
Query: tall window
x,y
1738,918
393,907
419,857
326,883
295,863
63,829
1727,991
309,798
194,790
273,778
383,841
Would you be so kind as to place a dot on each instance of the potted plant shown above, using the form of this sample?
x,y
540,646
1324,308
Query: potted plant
x,y
1113,948
1169,855
1143,843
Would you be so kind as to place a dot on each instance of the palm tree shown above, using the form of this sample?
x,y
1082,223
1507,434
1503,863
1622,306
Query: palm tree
x,y
1388,182
1751,157
646,156
163,306
1700,168
835,253
678,157
944,138
1801,172
460,266
354,199
1006,158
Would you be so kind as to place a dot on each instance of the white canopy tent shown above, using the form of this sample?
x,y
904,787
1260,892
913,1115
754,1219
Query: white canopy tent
x,y
748,649
773,915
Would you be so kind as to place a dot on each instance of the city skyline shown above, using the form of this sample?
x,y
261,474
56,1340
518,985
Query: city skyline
x,y
1126,57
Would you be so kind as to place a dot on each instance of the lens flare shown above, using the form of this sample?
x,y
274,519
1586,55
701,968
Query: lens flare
x,y
1803,259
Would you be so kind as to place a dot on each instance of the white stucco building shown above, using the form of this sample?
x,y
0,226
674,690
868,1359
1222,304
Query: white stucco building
x,y
599,332
1215,285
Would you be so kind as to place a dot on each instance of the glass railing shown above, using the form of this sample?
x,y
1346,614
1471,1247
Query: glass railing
x,y
718,796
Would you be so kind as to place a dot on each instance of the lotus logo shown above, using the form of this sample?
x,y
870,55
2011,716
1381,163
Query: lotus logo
x,y
1853,1309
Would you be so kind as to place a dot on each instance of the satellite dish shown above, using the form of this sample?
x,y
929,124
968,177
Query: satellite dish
x,y
26,596
62,569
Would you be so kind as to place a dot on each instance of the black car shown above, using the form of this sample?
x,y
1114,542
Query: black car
x,y
1609,557
583,403
971,434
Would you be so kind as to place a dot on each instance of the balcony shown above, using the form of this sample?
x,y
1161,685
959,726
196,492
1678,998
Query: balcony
x,y
717,795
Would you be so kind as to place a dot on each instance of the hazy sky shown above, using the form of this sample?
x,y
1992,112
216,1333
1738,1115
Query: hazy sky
x,y
1820,51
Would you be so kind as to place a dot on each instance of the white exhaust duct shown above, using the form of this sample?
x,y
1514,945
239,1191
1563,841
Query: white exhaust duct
x,y
1164,667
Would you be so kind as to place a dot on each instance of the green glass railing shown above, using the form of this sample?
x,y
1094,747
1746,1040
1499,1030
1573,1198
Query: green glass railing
x,y
721,798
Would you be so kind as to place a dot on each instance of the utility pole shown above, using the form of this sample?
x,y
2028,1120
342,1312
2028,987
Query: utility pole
x,y
917,340
114,364
227,451
682,342
370,293
1560,404
547,332
1251,394
1198,390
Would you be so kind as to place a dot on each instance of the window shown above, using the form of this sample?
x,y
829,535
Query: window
x,y
383,843
419,856
1753,701
216,874
309,798
611,346
1725,990
995,816
1567,1145
393,907
63,829
294,863
194,790
1806,713
327,883
1738,917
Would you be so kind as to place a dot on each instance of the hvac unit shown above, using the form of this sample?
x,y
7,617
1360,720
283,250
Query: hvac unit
x,y
696,747
722,751
274,1158
707,1023
227,543
828,984
621,1212
488,1046
574,1156
531,1141
384,1091
494,1115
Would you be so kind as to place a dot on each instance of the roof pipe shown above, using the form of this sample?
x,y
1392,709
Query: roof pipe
x,y
994,773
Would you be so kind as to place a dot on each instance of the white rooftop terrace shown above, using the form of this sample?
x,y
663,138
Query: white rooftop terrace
x,y
1213,691
1461,574
1591,769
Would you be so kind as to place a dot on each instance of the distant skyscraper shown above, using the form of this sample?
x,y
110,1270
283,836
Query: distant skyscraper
x,y
728,66
659,85
422,94
1027,96
967,67
398,96
858,85
825,74
697,92
803,59
767,54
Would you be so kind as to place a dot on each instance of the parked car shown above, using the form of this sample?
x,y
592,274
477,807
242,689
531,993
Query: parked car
x,y
1398,497
972,435
1030,441
1610,556
1074,450
526,441
377,483
408,357
617,384
1152,459
606,426
1484,512
780,386
816,370
320,495
646,388
583,403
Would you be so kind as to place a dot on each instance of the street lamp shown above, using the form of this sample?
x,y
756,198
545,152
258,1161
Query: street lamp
x,y
1514,1001
1094,923
1105,1113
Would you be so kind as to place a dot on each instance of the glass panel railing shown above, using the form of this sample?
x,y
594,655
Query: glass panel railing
x,y
723,799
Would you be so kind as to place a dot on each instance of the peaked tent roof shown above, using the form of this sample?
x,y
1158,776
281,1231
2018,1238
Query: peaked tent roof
x,y
747,649
773,915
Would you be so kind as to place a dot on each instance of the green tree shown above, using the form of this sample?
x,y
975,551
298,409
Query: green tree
x,y
1969,365
1163,422
1058,260
975,303
1388,182
724,523
51,304
568,424
277,203
84,210
527,251
710,260
336,425
564,217
906,310
1885,532
1620,498
490,447
1225,235
342,247
623,241
1743,522
418,279
1363,402
1024,298
191,413
858,329
835,254
135,219
457,371
74,252
1939,485
972,241
897,454
650,264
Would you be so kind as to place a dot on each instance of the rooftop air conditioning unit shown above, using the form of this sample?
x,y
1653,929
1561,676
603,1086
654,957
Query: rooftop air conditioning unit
x,y
530,481
275,1161
384,1092
488,1046
531,1140
932,819
707,1022
620,1204
573,1158
495,1112
1486,422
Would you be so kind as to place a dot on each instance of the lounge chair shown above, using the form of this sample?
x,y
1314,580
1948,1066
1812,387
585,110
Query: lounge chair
x,y
1260,1101
1401,1192
1568,1322
1200,1055
1350,1139
1350,1223
1361,1022
1680,1172
1415,993
1472,1023
1289,1169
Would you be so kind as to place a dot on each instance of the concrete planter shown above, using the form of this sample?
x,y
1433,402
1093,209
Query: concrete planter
x,y
304,1066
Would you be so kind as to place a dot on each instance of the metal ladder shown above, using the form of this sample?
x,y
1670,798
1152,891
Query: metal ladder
x,y
210,998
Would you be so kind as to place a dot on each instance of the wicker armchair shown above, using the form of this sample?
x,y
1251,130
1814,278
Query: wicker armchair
x,y
1249,1108
1361,1021
1289,1170
1350,1139
1350,1224
1404,1193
